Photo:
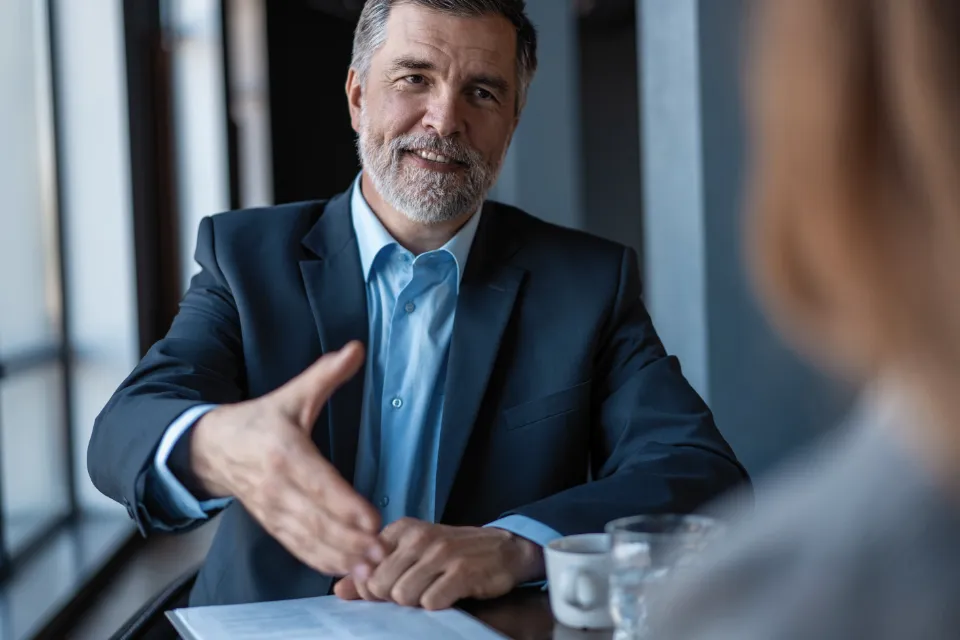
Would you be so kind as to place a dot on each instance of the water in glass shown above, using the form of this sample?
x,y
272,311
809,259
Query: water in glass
x,y
644,551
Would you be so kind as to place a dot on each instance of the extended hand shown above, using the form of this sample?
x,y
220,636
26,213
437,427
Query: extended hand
x,y
435,565
260,452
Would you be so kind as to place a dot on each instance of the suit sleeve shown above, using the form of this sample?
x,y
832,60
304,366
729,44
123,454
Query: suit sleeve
x,y
654,445
166,492
199,361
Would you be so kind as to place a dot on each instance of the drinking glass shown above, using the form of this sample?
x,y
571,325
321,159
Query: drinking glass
x,y
644,551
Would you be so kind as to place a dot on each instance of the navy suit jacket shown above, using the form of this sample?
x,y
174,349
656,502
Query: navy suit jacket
x,y
560,401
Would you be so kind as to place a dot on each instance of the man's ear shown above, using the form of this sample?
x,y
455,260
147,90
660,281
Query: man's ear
x,y
354,91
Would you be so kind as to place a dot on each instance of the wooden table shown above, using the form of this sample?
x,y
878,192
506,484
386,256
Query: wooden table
x,y
525,615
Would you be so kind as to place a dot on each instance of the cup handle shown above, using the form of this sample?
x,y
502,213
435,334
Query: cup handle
x,y
580,588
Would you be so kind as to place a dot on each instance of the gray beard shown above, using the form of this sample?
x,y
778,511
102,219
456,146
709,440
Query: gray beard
x,y
424,196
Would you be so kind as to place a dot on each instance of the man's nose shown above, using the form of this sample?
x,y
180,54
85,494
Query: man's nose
x,y
444,115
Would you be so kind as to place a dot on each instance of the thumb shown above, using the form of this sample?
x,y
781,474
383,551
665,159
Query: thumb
x,y
304,396
346,589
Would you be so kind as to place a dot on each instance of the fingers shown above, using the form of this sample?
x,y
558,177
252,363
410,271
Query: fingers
x,y
350,588
348,506
363,588
320,480
445,592
346,589
351,541
389,571
411,586
428,567
411,539
304,396
313,553
332,369
310,533
365,592
397,529
321,523
430,564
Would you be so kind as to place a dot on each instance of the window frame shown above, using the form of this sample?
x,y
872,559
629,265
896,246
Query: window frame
x,y
53,352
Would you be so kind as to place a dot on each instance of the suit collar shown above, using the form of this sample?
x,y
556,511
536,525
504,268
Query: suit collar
x,y
498,238
334,286
333,232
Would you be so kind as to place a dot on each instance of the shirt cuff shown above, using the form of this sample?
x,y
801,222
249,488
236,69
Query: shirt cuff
x,y
174,495
528,528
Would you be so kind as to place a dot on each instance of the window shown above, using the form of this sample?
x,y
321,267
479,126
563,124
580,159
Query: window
x,y
36,479
88,171
198,119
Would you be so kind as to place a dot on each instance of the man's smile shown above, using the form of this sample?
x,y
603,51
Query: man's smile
x,y
434,161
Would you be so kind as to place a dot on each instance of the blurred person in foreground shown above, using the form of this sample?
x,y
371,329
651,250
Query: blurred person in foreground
x,y
507,361
855,231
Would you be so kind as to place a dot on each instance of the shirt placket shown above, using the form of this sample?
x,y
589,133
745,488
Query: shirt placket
x,y
410,282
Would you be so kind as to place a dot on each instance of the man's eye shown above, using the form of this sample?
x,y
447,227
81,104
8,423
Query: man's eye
x,y
483,94
415,79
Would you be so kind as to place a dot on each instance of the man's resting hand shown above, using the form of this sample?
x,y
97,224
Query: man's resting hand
x,y
435,565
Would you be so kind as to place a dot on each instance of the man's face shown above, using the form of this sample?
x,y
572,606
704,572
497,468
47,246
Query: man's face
x,y
436,111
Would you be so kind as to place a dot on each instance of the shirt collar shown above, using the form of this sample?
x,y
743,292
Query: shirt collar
x,y
372,236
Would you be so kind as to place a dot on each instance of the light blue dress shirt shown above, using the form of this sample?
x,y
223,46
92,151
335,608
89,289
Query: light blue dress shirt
x,y
411,304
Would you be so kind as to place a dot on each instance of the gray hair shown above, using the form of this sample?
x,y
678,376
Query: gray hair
x,y
372,32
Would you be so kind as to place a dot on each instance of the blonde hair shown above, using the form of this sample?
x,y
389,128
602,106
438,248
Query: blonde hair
x,y
855,180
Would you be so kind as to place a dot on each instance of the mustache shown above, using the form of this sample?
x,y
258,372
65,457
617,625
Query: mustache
x,y
449,147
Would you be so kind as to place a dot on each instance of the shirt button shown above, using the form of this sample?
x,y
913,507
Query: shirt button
x,y
384,501
409,307
397,403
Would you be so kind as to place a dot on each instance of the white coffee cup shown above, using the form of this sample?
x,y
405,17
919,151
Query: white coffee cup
x,y
578,573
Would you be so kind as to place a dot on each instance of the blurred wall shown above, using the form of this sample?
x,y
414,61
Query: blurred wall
x,y
766,401
542,172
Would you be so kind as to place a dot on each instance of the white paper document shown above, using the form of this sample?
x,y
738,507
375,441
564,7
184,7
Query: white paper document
x,y
326,617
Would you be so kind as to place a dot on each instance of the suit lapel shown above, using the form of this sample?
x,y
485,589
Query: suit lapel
x,y
335,287
487,295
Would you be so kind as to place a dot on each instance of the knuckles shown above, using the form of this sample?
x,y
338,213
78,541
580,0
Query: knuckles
x,y
403,526
417,540
440,550
460,567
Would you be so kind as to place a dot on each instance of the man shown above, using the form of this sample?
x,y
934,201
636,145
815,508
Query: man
x,y
507,361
